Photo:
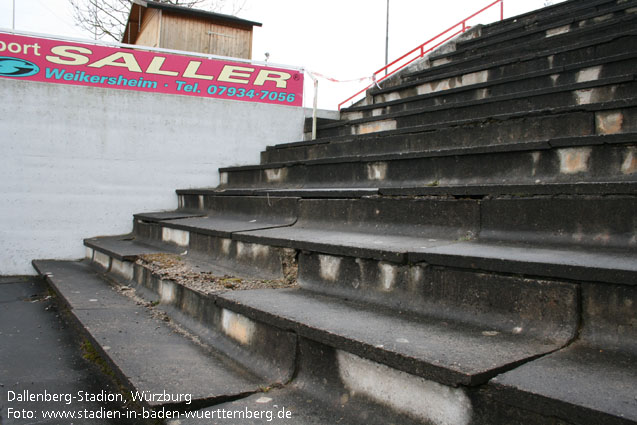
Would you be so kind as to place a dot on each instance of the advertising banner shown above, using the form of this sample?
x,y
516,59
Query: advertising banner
x,y
62,62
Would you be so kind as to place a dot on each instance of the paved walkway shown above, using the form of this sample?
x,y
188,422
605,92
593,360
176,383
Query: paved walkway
x,y
41,359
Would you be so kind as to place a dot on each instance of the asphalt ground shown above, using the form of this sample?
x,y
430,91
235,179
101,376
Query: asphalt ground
x,y
47,368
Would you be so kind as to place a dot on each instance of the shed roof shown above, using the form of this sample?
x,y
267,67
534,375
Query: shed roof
x,y
134,18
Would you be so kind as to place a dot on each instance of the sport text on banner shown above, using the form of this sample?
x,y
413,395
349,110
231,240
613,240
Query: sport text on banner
x,y
57,61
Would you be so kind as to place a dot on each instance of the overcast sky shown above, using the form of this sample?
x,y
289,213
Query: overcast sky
x,y
344,39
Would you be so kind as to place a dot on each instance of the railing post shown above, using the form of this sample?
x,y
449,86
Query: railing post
x,y
502,10
314,108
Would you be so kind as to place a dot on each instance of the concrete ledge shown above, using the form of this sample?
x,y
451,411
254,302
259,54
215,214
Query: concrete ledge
x,y
123,247
383,229
225,215
265,351
592,381
561,98
145,353
446,352
532,163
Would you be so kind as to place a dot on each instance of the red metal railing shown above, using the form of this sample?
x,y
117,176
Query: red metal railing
x,y
420,51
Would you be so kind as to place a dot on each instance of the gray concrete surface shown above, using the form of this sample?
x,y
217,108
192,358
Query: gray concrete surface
x,y
40,354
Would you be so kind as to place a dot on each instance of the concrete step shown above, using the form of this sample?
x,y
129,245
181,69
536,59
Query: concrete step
x,y
463,71
209,233
226,215
122,331
567,97
194,196
570,237
455,191
444,351
581,21
598,158
145,352
546,14
527,42
496,79
561,129
566,237
340,382
591,382
357,351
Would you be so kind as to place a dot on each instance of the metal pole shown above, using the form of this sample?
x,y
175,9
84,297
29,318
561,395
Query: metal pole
x,y
387,38
13,22
314,108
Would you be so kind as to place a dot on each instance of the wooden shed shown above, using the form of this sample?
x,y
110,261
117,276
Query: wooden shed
x,y
156,24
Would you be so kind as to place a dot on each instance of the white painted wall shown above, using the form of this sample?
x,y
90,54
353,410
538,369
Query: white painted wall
x,y
77,162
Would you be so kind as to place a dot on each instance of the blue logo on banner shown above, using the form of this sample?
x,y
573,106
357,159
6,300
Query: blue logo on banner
x,y
16,67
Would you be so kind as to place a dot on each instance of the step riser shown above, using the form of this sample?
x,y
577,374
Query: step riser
x,y
254,208
542,31
575,98
344,379
370,228
545,16
264,350
494,302
604,354
487,84
480,134
544,165
609,314
320,367
552,38
567,57
604,222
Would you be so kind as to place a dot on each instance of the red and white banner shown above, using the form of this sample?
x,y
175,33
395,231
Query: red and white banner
x,y
62,62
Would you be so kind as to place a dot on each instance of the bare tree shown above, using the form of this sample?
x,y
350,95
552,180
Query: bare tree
x,y
107,18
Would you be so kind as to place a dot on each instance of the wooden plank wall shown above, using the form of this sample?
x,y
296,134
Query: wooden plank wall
x,y
200,35
149,35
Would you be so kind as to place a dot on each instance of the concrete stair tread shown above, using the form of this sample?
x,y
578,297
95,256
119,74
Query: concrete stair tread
x,y
532,145
443,351
370,156
535,17
570,262
494,101
578,188
430,130
581,383
391,247
497,88
226,226
563,41
626,138
432,74
127,247
148,354
298,192
167,215
575,23
539,26
318,192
